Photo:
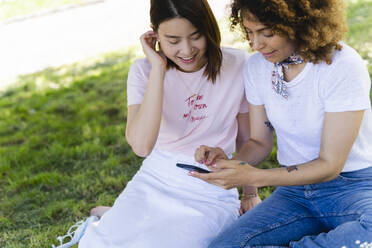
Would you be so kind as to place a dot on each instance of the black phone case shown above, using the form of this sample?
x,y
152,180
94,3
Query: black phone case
x,y
192,168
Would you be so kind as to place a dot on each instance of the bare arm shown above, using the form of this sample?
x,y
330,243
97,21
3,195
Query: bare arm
x,y
250,196
260,143
243,130
339,133
143,120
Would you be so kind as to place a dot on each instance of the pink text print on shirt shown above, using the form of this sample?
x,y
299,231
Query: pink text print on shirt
x,y
194,104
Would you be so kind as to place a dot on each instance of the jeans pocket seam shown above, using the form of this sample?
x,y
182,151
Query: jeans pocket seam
x,y
354,179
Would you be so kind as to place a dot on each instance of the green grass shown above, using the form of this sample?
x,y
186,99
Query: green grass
x,y
17,8
62,146
360,28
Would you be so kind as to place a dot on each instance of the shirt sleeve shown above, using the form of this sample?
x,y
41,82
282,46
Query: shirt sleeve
x,y
347,86
251,90
137,81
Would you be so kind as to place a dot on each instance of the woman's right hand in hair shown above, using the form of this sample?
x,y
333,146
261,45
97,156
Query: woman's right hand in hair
x,y
148,42
209,155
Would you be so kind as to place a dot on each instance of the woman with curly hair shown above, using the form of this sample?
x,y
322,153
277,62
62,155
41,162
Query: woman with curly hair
x,y
313,90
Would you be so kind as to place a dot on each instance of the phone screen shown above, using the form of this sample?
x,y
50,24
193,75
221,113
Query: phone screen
x,y
190,167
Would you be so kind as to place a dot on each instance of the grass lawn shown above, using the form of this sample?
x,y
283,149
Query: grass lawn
x,y
360,28
62,149
15,8
62,146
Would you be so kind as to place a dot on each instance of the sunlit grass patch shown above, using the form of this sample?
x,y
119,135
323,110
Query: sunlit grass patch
x,y
62,145
62,148
360,28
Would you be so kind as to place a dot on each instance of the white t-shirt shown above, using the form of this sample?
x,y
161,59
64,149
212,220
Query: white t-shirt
x,y
195,111
341,86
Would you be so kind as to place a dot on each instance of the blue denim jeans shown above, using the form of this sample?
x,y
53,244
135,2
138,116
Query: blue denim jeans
x,y
333,214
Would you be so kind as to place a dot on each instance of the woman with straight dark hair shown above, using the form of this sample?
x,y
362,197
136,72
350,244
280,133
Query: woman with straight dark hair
x,y
186,92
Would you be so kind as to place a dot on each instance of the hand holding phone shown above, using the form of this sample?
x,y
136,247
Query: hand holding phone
x,y
190,167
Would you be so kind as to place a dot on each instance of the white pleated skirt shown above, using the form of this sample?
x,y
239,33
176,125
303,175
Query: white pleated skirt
x,y
163,207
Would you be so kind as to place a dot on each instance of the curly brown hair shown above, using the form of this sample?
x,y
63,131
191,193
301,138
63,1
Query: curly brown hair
x,y
316,26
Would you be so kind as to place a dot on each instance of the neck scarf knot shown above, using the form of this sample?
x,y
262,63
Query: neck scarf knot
x,y
277,77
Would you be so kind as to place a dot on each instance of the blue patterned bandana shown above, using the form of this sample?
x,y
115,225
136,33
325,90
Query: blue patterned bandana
x,y
277,77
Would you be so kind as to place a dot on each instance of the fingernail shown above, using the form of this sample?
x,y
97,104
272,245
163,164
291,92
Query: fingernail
x,y
214,165
191,173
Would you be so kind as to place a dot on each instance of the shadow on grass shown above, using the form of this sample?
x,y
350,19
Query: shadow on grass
x,y
62,148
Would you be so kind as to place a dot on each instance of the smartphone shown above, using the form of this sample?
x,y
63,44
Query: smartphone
x,y
190,167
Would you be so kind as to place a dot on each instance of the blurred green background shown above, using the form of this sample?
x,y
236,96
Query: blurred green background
x,y
62,145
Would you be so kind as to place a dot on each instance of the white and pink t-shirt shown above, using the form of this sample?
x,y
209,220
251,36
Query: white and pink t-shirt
x,y
195,111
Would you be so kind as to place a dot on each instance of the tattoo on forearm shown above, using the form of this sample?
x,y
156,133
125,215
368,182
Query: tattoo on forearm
x,y
268,124
291,168
243,163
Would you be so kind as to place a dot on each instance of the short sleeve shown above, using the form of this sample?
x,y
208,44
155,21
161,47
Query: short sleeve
x,y
251,90
137,81
347,86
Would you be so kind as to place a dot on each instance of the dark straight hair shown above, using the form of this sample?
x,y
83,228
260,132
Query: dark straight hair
x,y
199,13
